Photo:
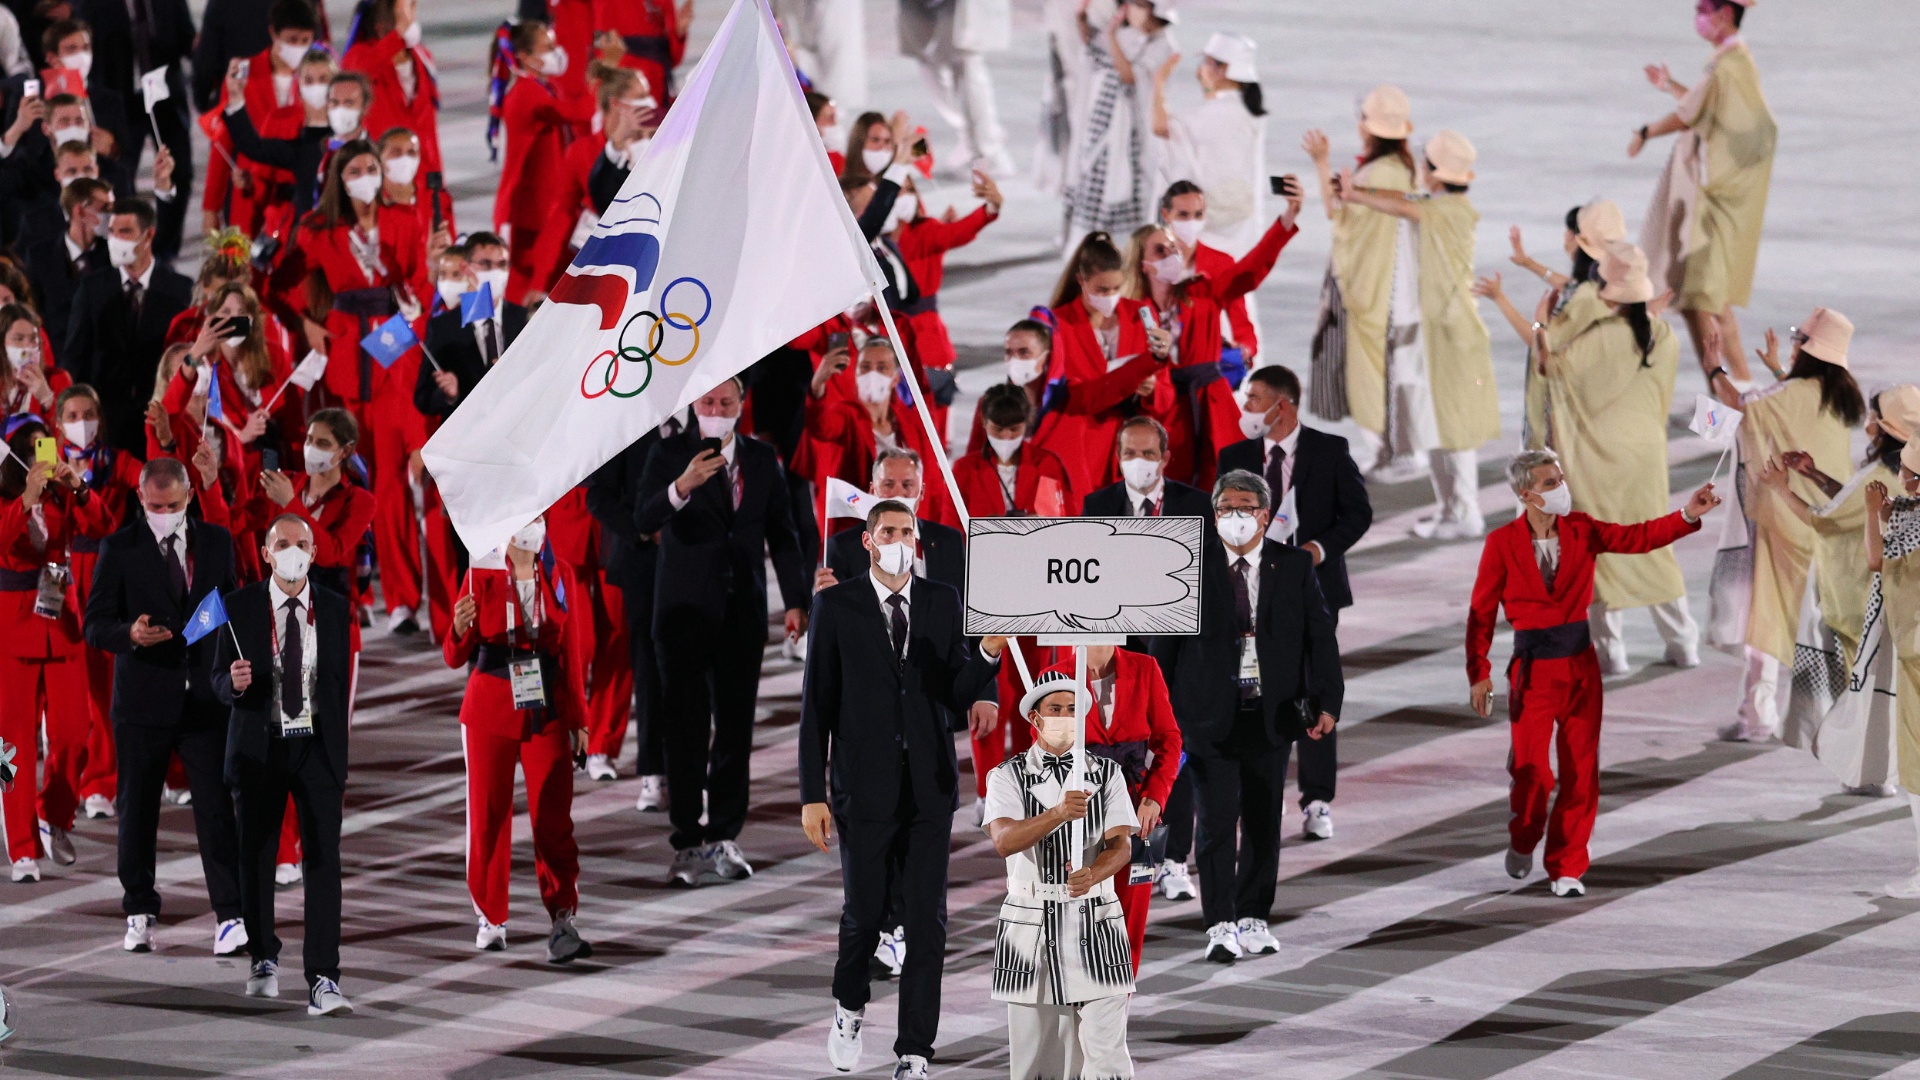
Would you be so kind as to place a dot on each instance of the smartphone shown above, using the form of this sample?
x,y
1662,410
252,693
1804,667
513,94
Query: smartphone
x,y
45,449
30,88
237,326
920,148
1287,186
270,459
436,183
1147,320
839,339
246,68
706,445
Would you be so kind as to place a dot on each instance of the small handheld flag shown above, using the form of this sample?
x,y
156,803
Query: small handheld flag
x,y
1717,423
211,615
1286,521
215,409
153,91
476,305
846,501
390,340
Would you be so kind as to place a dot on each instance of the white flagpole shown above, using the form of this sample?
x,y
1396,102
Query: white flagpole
x,y
1077,778
939,444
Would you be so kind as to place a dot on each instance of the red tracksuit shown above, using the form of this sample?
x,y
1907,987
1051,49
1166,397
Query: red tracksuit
x,y
1202,422
42,664
114,476
498,736
554,250
652,33
1545,692
1082,431
574,536
392,107
1142,713
1218,264
573,27
539,124
246,191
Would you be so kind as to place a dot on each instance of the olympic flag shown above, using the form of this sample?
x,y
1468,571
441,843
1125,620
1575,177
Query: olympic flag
x,y
729,239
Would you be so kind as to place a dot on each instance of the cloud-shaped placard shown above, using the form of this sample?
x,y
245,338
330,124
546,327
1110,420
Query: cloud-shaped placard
x,y
1083,575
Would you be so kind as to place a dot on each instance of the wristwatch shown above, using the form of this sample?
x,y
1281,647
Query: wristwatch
x,y
1718,370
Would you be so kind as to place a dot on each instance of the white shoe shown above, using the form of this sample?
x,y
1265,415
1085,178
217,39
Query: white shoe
x,y
1519,864
600,767
1318,824
263,979
400,621
843,1038
59,844
1399,470
490,938
728,862
1175,882
6,1016
98,806
1613,661
176,796
1907,888
26,870
229,937
653,795
1683,656
1873,791
564,944
139,934
287,873
911,1067
691,866
1255,939
1740,731
1223,944
1426,528
1461,529
1568,886
325,998
892,951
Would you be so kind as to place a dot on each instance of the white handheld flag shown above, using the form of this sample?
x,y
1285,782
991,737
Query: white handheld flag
x,y
153,87
846,501
311,367
729,239
1717,423
1286,521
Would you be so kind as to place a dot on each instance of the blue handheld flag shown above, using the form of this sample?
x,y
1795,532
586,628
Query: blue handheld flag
x,y
476,305
390,340
211,615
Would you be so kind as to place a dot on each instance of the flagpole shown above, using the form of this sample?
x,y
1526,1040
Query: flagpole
x,y
236,640
939,445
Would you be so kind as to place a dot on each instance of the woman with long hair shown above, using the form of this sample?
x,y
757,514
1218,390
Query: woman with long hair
x,y
869,146
1893,554
540,121
1115,159
29,380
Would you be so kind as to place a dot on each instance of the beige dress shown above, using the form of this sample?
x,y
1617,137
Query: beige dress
x,y
1785,416
1363,256
1466,404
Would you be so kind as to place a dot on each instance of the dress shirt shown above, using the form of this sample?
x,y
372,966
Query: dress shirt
x,y
145,279
885,594
727,452
1546,553
1139,501
284,624
1288,445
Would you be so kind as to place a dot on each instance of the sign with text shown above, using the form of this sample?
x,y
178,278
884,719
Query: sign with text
x,y
1092,576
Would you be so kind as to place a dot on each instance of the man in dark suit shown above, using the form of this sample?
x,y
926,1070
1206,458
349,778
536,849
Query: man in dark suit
x,y
1332,514
130,39
1263,673
876,763
467,352
720,513
305,155
118,327
942,549
1143,491
287,735
56,264
151,576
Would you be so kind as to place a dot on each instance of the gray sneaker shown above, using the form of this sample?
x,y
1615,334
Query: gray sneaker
x,y
325,998
263,979
563,944
690,865
1519,865
728,862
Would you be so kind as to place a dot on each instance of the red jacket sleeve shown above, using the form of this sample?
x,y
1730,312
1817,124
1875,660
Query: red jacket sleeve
x,y
1163,738
933,236
334,546
1483,612
1251,270
826,420
1641,537
1097,395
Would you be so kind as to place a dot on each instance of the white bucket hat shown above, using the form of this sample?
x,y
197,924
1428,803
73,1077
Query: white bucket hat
x,y
1451,156
1236,52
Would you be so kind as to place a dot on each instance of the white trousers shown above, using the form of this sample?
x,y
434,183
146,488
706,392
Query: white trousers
x,y
1069,1042
1456,483
1759,691
1673,619
962,89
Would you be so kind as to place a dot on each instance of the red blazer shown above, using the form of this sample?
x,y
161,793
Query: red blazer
x,y
573,27
1082,431
272,120
924,243
979,478
657,19
554,250
572,532
1218,264
422,208
326,251
487,706
391,108
844,426
1509,577
1143,712
67,514
539,126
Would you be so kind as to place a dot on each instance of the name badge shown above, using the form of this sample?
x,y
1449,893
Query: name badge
x,y
292,727
51,596
529,690
1249,668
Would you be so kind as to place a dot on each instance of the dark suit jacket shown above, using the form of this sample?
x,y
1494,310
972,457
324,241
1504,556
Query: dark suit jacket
x,y
249,724
859,711
1293,634
708,548
106,350
945,549
1329,496
114,53
156,686
454,346
229,30
614,498
1177,500
56,281
302,155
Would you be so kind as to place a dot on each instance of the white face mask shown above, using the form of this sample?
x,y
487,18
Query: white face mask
x,y
81,62
77,133
1021,372
1005,448
122,252
1189,230
317,460
164,524
20,355
531,536
290,564
716,427
364,188
1170,270
401,170
80,433
1254,425
1141,475
290,55
451,290
876,161
496,280
554,63
873,386
1054,730
313,95
1105,305
1557,502
894,559
1238,528
343,119
905,209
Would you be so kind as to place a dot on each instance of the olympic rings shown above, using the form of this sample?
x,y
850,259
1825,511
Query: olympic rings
x,y
648,351
668,291
611,373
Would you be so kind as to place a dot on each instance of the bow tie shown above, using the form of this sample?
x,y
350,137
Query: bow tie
x,y
1057,766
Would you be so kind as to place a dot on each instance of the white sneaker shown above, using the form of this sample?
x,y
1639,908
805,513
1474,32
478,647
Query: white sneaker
x,y
910,1067
564,944
1907,888
1255,939
728,862
1318,824
263,979
1400,470
287,873
1613,659
26,870
1461,529
490,938
892,951
1223,945
400,621
1683,656
229,937
600,767
139,934
691,866
1741,731
176,796
1873,791
843,1038
1568,886
1175,882
98,806
59,844
1427,528
325,998
1519,864
653,795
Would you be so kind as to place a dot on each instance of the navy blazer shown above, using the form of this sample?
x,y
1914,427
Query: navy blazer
x,y
1328,495
943,546
250,613
158,685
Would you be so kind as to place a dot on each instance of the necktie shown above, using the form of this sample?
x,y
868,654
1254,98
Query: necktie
x,y
899,620
142,19
176,566
737,481
293,667
1242,597
491,350
1057,766
134,299
1277,472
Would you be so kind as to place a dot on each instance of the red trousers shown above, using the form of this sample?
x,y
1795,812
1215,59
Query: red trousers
x,y
1565,693
289,852
1134,900
391,429
610,683
443,566
547,761
30,689
102,774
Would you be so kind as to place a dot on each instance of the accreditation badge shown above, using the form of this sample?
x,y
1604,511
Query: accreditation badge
x,y
1249,668
529,689
293,727
50,598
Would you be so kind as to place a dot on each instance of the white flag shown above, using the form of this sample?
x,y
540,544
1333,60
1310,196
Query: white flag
x,y
729,239
1715,422
846,501
311,367
1285,521
153,87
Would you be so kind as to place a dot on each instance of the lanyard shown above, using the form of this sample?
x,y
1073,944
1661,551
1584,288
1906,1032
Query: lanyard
x,y
513,608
